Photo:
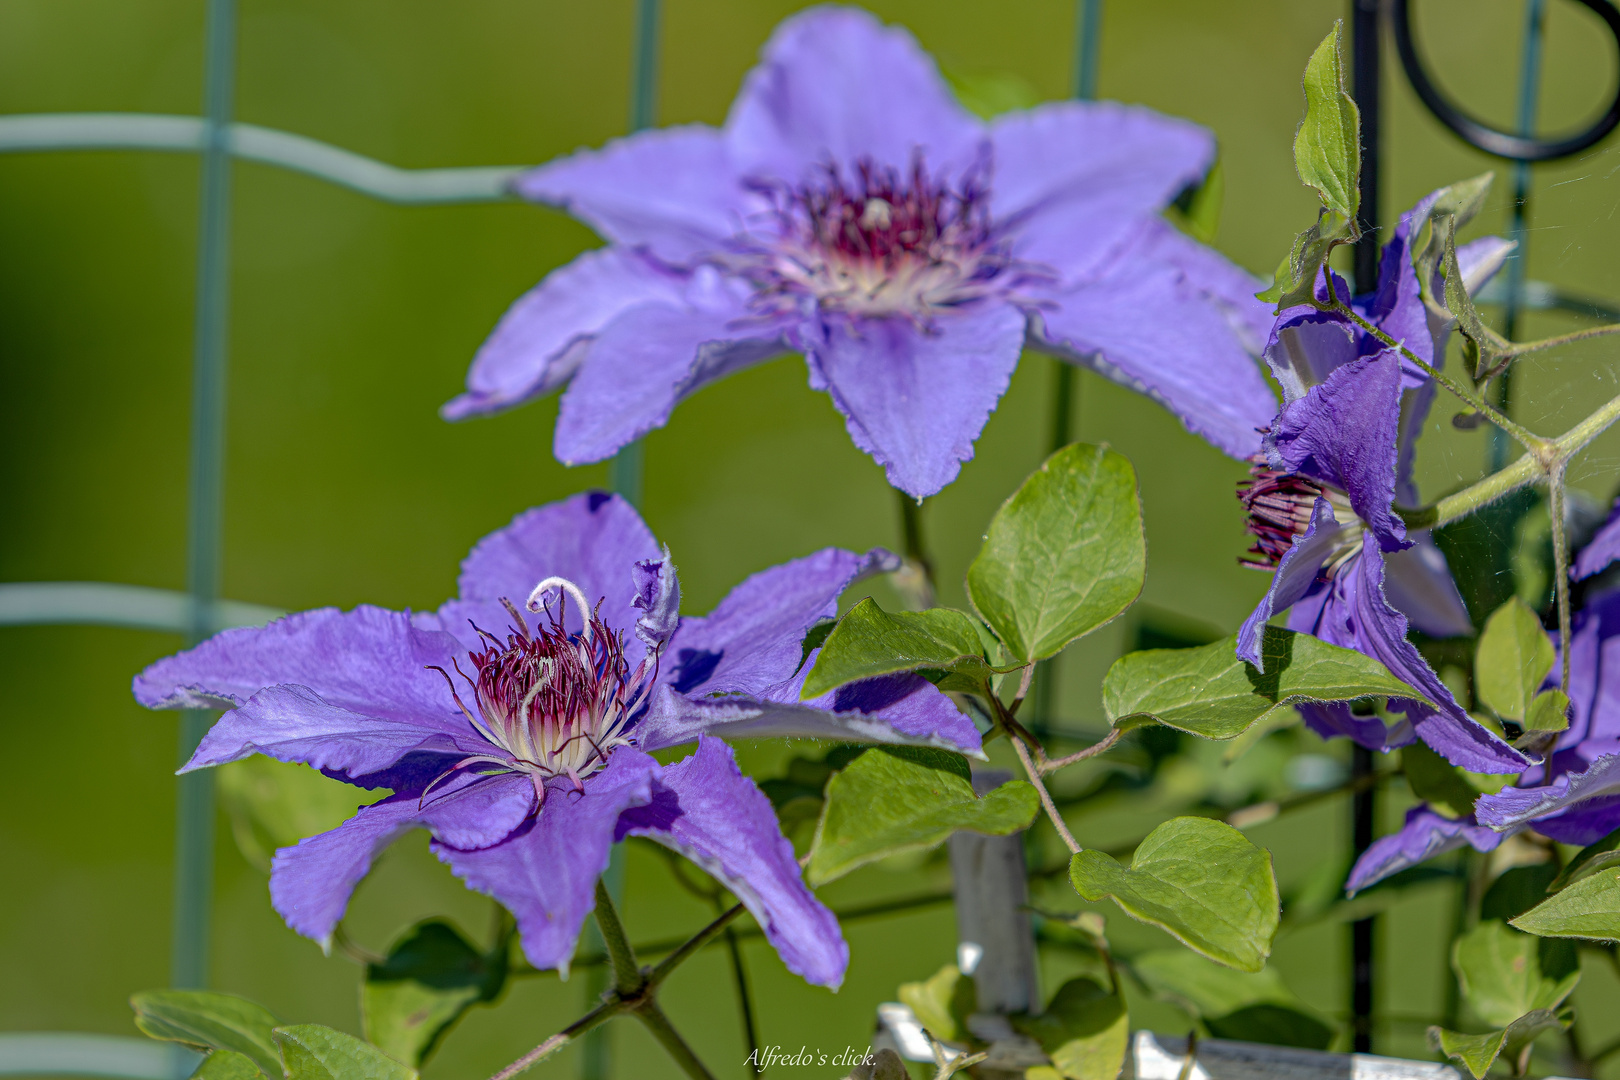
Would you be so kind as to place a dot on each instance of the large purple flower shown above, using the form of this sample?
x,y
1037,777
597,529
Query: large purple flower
x,y
851,209
1322,496
516,723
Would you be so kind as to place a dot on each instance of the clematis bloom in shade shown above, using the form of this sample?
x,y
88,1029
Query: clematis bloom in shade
x,y
1322,495
516,724
852,210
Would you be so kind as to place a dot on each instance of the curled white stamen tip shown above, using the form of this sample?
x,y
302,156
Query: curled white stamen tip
x,y
536,597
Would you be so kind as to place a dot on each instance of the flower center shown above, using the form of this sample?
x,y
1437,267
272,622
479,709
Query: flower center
x,y
880,244
553,703
1280,507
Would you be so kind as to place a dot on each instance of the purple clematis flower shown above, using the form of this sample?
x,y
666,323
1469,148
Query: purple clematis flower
x,y
1426,834
1322,495
521,738
852,210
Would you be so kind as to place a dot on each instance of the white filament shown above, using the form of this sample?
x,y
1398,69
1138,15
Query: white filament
x,y
572,590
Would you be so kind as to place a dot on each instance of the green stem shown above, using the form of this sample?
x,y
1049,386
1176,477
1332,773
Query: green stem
x,y
1526,438
1527,347
599,1015
745,1004
1034,774
658,1024
1560,570
1552,456
915,578
628,978
693,944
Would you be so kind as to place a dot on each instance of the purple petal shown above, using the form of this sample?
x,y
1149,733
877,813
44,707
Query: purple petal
x,y
835,85
1525,806
538,344
1356,615
904,709
1585,823
650,358
1415,405
545,873
1147,325
1397,307
348,691
1230,287
1343,433
311,882
917,399
658,598
1293,578
1419,583
1306,346
1480,259
1594,683
1425,835
1602,549
754,640
706,809
1335,718
592,539
671,190
1076,180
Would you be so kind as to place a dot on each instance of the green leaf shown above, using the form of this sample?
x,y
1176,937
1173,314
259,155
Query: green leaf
x,y
1197,210
989,94
1208,691
1437,781
431,977
1294,283
1084,1030
1479,1052
1246,1006
1514,657
313,1052
1327,146
870,641
943,1002
273,804
228,1065
1587,908
1499,970
1591,859
1064,555
209,1020
1201,880
1457,202
1549,711
900,798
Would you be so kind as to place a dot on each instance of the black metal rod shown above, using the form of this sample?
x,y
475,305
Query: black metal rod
x,y
1515,147
1366,43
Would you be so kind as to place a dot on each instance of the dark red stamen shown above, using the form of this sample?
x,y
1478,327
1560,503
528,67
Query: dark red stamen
x,y
1279,507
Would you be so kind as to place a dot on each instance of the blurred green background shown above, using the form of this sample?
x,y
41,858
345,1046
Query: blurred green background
x,y
352,321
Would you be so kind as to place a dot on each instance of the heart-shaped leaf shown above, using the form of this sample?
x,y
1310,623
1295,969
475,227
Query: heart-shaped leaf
x,y
1199,879
1327,146
313,1052
870,641
1479,1052
1208,691
900,798
209,1020
1063,555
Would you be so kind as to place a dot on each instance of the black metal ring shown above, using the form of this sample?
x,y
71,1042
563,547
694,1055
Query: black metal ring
x,y
1484,137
